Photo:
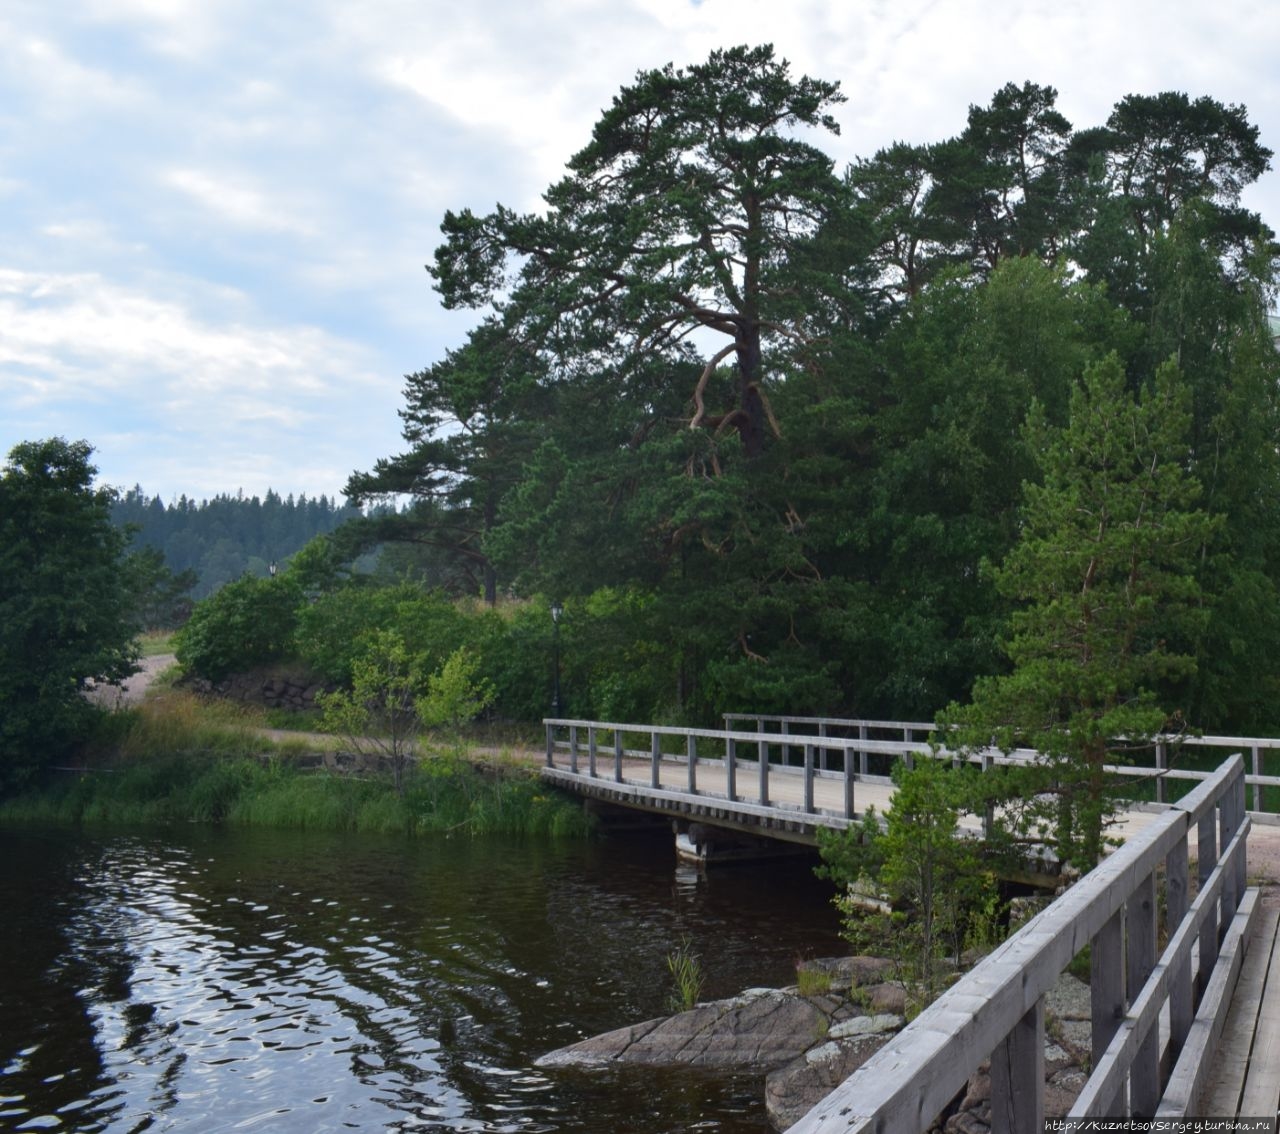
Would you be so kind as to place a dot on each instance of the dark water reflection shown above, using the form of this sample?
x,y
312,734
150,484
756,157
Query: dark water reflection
x,y
211,980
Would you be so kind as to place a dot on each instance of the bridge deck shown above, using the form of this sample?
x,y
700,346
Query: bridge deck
x,y
1245,1079
786,792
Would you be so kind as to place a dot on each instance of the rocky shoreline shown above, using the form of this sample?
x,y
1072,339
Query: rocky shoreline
x,y
806,1045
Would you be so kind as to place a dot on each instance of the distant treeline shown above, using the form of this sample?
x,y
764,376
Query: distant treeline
x,y
223,538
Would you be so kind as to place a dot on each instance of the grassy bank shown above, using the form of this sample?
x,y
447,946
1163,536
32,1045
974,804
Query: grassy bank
x,y
177,760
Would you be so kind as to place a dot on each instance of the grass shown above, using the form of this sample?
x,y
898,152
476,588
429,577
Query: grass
x,y
177,759
812,982
685,967
156,642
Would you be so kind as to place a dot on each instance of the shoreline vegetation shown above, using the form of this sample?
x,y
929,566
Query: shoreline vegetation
x,y
174,758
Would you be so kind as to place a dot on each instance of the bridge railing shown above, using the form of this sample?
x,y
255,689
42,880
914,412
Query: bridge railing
x,y
752,759
749,761
1160,769
1155,1019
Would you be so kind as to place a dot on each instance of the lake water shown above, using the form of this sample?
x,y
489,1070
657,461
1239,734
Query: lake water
x,y
205,980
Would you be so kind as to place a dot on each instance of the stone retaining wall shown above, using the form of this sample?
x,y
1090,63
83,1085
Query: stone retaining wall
x,y
274,689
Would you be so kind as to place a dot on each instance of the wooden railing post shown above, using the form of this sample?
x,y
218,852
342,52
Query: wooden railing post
x,y
1140,959
731,769
808,778
848,784
1256,763
1240,808
862,755
1162,766
822,752
1177,900
1106,989
1206,860
655,759
1228,824
591,751
764,772
551,745
989,806
1017,1077
617,755
573,749
691,754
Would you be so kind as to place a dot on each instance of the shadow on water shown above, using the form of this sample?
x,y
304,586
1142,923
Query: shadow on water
x,y
216,980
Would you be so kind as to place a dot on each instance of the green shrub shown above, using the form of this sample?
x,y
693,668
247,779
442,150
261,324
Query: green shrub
x,y
176,760
685,967
246,623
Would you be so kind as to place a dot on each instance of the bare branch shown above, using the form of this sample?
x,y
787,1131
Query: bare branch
x,y
699,408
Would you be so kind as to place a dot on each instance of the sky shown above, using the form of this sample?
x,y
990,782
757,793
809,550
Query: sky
x,y
215,214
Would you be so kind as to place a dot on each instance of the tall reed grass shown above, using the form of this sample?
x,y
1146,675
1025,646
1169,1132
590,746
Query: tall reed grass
x,y
177,759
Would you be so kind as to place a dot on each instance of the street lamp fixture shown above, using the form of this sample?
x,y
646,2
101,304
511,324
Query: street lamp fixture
x,y
556,612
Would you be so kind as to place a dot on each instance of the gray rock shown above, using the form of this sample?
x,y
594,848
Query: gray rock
x,y
823,1053
866,1026
761,1030
848,971
792,1091
891,998
966,1122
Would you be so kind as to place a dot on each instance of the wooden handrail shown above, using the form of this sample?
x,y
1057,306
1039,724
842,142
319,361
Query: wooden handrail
x,y
996,1011
861,746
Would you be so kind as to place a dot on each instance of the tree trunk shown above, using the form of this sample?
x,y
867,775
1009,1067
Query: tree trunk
x,y
751,420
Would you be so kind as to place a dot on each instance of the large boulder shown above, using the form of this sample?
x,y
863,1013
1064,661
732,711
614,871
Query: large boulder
x,y
790,1092
761,1029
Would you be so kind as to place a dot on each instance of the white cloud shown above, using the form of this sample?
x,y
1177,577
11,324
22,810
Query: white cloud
x,y
217,214
237,203
185,29
83,356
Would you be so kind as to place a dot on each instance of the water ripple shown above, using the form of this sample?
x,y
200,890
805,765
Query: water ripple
x,y
219,982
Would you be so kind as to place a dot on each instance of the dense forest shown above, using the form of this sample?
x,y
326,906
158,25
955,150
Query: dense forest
x,y
990,421
223,538
764,423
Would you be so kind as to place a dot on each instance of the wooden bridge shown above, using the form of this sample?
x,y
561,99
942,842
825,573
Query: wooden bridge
x,y
1158,1017
788,776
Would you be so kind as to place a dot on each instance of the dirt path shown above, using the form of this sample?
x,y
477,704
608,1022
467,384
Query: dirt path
x,y
133,689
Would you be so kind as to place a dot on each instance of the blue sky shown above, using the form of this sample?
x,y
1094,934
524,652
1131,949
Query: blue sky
x,y
214,214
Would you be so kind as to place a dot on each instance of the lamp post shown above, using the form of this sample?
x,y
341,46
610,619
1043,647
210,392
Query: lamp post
x,y
556,611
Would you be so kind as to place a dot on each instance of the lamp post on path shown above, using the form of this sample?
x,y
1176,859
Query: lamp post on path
x,y
556,611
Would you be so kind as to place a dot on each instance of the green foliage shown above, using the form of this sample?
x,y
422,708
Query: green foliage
x,y
216,541
163,600
317,567
940,888
758,426
332,628
67,606
247,623
686,171
492,389
1105,572
812,982
378,715
685,967
176,761
455,694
